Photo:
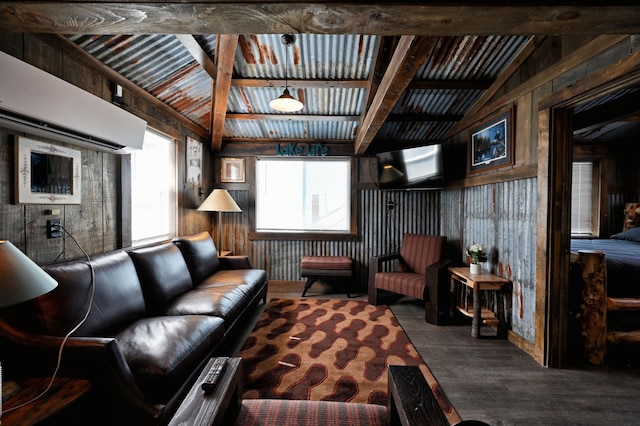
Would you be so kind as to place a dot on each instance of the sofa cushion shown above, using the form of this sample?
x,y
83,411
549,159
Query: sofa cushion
x,y
269,412
117,301
163,273
200,253
162,352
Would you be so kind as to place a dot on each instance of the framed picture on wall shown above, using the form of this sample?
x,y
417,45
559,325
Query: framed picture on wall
x,y
491,143
232,169
194,162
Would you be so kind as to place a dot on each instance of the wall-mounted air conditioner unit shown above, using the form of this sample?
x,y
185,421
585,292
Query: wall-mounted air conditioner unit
x,y
38,103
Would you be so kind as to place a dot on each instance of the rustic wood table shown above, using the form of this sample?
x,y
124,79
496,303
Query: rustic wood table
x,y
217,408
63,392
462,280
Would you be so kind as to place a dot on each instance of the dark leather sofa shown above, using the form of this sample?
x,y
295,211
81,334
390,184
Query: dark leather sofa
x,y
158,314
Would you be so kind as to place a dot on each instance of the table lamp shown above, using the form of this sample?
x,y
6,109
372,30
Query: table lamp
x,y
20,280
219,201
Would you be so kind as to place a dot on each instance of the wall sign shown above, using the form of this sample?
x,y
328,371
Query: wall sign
x,y
297,150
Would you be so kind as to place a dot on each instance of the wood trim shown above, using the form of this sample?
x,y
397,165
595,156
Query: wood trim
x,y
516,173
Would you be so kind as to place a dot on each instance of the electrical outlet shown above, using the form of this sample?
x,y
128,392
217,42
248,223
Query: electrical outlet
x,y
53,228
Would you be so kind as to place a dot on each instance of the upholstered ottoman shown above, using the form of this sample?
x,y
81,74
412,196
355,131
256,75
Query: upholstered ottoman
x,y
315,268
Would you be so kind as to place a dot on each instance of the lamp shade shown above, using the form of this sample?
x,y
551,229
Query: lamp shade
x,y
286,103
20,278
219,201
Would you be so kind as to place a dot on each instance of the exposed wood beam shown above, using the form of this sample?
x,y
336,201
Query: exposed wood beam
x,y
299,84
616,110
451,84
198,54
292,117
425,117
581,55
225,54
76,52
409,55
260,17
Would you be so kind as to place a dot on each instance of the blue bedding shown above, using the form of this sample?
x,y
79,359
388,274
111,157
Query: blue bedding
x,y
623,264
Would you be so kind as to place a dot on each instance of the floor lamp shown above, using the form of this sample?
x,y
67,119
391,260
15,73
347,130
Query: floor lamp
x,y
219,201
20,280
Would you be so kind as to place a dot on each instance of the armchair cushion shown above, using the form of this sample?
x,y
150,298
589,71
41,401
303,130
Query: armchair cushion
x,y
419,251
406,283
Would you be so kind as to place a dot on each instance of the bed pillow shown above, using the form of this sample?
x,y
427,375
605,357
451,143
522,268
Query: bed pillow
x,y
631,235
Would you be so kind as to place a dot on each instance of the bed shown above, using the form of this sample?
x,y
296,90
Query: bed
x,y
606,291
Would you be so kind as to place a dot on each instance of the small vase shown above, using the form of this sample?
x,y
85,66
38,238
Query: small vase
x,y
475,268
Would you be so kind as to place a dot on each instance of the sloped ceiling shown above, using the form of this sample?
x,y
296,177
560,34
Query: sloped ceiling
x,y
377,75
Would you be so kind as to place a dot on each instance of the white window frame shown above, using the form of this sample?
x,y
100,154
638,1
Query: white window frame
x,y
269,232
585,199
159,184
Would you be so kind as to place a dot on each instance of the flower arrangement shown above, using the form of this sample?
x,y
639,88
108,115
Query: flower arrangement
x,y
477,253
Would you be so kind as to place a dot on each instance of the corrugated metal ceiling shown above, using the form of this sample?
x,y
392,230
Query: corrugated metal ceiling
x,y
330,74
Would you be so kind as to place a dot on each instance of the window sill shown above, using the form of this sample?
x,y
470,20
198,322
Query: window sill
x,y
302,236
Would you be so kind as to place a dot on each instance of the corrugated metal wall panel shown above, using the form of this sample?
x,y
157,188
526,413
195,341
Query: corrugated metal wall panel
x,y
380,231
501,217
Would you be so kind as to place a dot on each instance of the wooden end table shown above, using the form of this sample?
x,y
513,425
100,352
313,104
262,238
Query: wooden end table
x,y
217,408
461,280
64,392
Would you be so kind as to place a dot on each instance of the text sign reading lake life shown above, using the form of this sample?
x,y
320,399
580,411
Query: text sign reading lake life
x,y
296,150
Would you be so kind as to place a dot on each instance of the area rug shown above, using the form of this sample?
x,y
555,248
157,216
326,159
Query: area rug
x,y
328,350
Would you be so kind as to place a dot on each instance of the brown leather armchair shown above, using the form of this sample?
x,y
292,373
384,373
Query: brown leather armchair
x,y
421,273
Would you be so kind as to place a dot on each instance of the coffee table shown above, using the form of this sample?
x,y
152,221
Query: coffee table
x,y
217,408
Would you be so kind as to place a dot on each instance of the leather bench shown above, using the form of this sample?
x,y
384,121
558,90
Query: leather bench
x,y
316,268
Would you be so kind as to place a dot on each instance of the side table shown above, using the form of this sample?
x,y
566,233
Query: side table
x,y
199,408
63,392
461,281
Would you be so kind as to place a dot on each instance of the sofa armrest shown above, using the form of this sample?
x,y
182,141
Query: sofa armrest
x,y
235,262
411,401
99,359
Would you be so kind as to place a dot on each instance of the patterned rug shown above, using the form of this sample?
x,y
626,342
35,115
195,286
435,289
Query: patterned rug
x,y
328,350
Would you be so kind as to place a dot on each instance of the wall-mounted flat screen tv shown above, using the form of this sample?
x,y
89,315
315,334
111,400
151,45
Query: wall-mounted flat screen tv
x,y
411,168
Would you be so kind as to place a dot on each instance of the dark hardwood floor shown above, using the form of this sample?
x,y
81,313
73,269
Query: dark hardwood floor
x,y
495,381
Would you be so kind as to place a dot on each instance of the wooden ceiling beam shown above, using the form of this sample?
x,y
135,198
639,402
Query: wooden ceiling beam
x,y
198,53
292,117
407,59
299,84
225,55
426,18
76,52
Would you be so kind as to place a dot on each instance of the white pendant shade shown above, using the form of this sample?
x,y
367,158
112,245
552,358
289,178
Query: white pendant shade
x,y
286,103
219,201
20,278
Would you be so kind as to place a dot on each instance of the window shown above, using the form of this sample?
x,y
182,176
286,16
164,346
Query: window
x,y
153,190
584,199
303,195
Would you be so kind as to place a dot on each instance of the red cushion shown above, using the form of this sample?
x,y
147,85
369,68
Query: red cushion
x,y
325,262
419,251
406,283
280,412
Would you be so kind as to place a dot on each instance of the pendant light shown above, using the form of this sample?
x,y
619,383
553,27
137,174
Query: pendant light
x,y
286,102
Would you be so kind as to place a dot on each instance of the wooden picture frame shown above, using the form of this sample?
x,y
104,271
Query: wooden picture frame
x,y
491,143
47,173
232,170
193,162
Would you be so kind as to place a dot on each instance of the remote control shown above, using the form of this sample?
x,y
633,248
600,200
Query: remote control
x,y
216,370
